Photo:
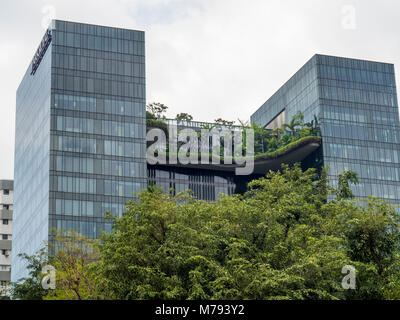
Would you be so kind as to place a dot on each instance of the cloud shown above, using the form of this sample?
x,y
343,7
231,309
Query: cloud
x,y
209,58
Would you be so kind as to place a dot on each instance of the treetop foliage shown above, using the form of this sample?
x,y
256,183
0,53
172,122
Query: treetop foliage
x,y
280,240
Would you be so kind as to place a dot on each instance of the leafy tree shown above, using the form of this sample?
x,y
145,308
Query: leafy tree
x,y
30,288
282,239
371,237
345,179
296,122
261,137
157,110
150,116
268,141
224,122
183,116
75,274
315,129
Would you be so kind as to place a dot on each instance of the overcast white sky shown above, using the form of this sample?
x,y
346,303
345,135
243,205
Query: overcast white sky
x,y
210,58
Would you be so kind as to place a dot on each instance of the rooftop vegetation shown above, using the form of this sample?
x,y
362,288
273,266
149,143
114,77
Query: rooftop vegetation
x,y
268,144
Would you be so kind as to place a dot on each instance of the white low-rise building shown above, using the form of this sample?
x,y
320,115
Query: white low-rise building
x,y
6,210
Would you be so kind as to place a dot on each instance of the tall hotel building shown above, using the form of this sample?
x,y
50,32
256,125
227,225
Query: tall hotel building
x,y
355,102
80,133
80,146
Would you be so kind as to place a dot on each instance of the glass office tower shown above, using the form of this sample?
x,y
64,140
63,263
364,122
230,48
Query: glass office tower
x,y
356,104
80,133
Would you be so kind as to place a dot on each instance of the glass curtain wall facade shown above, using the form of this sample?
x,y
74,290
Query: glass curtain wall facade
x,y
91,123
31,164
356,104
205,184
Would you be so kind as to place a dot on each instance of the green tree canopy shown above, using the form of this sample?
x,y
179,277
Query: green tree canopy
x,y
184,116
345,179
30,288
296,122
280,240
156,110
224,122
